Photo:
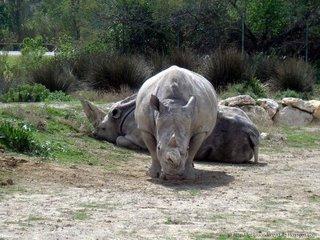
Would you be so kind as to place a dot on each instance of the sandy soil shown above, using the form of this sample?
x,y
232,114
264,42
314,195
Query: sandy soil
x,y
279,196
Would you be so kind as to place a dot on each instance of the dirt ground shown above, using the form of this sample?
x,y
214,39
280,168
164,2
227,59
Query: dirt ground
x,y
279,196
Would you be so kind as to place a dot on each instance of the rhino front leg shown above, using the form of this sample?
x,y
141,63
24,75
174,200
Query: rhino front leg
x,y
122,141
195,144
151,143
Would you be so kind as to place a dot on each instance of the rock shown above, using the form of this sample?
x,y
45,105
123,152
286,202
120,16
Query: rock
x,y
265,136
316,105
241,100
299,103
293,117
271,106
257,115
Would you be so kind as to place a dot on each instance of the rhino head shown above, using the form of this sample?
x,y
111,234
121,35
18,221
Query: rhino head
x,y
173,122
105,124
108,126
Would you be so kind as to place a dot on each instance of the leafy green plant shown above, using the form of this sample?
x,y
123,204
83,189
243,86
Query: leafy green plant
x,y
32,52
19,137
253,87
26,93
288,93
58,96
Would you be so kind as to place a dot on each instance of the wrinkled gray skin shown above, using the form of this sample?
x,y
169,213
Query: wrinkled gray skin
x,y
235,139
175,111
118,126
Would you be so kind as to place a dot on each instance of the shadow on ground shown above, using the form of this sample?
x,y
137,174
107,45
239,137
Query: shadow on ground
x,y
205,180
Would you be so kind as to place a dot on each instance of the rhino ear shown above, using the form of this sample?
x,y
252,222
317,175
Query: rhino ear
x,y
155,102
93,113
191,104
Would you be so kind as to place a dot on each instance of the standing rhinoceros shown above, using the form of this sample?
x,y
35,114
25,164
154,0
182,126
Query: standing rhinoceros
x,y
176,110
235,139
118,126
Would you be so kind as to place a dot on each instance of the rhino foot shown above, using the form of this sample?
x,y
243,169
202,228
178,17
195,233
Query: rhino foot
x,y
190,173
154,172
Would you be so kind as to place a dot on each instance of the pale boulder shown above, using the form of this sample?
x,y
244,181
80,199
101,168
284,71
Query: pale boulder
x,y
299,103
316,105
291,116
257,115
270,105
238,101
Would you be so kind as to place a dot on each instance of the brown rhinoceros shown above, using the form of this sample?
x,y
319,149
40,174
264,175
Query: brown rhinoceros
x,y
176,110
235,139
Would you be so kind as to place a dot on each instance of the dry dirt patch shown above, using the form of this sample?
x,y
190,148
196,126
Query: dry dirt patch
x,y
279,196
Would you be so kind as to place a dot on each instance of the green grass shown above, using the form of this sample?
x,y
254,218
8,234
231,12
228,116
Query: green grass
x,y
66,134
80,215
315,199
302,138
170,221
294,137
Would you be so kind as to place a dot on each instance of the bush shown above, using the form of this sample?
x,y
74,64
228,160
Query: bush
x,y
181,58
54,74
113,72
185,59
20,138
253,87
225,67
294,74
32,53
288,93
58,96
264,67
26,93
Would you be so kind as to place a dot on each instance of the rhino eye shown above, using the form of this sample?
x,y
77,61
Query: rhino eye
x,y
116,113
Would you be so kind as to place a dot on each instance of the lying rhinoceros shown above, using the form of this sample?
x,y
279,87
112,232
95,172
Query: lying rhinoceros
x,y
235,139
118,126
175,112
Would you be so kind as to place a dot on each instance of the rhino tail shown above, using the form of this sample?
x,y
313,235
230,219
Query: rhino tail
x,y
254,137
256,154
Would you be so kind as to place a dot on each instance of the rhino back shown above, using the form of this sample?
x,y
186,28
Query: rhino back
x,y
178,84
232,140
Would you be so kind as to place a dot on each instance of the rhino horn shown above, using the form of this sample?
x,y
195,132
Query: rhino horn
x,y
191,103
93,113
173,141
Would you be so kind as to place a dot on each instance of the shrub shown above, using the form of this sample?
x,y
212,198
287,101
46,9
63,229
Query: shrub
x,y
181,58
58,96
294,74
54,74
80,65
26,93
225,67
20,138
185,59
288,93
113,72
253,87
32,53
264,67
